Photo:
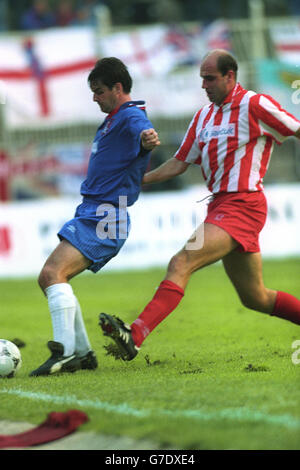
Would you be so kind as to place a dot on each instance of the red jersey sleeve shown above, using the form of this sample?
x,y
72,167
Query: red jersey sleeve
x,y
272,120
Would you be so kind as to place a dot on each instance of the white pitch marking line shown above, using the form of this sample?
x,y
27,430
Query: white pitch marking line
x,y
233,414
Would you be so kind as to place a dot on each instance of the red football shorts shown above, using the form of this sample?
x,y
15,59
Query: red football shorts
x,y
242,215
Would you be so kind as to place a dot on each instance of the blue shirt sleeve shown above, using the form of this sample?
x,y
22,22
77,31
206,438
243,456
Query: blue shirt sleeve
x,y
135,126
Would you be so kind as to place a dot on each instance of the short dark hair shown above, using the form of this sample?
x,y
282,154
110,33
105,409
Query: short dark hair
x,y
226,62
110,71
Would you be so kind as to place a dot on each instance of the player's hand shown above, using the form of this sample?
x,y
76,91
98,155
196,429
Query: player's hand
x,y
149,139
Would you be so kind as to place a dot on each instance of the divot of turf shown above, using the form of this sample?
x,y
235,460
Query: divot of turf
x,y
252,368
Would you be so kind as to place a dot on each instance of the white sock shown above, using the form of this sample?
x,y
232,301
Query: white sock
x,y
62,306
82,343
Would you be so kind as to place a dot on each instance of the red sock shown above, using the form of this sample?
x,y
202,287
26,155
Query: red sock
x,y
287,307
165,300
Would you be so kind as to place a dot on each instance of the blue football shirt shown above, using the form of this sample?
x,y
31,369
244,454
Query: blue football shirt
x,y
117,161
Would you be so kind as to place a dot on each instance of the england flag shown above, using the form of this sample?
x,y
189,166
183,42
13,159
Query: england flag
x,y
43,76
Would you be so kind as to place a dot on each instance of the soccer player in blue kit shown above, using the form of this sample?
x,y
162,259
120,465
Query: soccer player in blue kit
x,y
119,158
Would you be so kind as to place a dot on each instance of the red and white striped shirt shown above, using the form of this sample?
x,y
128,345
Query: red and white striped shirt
x,y
233,142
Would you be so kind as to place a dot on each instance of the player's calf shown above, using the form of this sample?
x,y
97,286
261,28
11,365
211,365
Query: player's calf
x,y
262,301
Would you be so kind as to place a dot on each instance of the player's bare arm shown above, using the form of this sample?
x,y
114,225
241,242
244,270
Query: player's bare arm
x,y
169,169
297,134
149,139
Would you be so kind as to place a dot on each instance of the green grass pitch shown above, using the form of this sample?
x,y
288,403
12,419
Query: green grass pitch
x,y
213,375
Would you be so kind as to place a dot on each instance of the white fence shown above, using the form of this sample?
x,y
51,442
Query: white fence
x,y
161,223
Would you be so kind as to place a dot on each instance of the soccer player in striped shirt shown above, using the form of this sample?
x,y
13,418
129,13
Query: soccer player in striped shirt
x,y
231,139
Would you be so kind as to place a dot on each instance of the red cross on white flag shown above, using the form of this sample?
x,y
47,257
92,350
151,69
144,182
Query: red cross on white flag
x,y
45,76
145,50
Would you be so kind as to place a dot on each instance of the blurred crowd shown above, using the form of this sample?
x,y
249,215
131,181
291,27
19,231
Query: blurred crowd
x,y
40,14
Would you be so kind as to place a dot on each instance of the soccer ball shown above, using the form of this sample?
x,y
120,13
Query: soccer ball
x,y
10,358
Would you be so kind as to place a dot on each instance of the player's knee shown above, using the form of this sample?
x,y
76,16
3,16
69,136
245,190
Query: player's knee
x,y
42,279
46,277
183,265
178,264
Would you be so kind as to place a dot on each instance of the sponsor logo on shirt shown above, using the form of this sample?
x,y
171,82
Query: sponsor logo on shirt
x,y
106,127
215,132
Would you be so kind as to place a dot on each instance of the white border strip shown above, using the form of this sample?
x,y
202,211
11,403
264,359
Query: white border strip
x,y
232,414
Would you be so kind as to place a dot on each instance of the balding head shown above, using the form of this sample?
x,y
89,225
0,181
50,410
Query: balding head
x,y
223,60
218,70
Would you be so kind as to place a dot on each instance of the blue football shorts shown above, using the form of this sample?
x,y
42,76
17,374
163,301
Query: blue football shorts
x,y
98,231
